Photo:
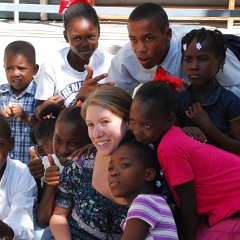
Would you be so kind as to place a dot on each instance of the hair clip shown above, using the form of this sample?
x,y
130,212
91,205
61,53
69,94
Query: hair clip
x,y
79,103
49,116
198,45
67,3
158,184
184,46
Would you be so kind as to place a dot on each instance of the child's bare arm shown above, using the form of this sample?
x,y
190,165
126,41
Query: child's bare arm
x,y
136,229
188,209
54,100
59,224
18,112
6,232
230,143
46,205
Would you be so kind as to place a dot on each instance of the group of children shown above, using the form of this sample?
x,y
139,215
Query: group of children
x,y
159,135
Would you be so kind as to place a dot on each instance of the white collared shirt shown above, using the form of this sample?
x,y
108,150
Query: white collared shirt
x,y
128,73
18,192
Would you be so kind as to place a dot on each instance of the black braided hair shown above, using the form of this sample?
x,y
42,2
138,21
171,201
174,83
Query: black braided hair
x,y
216,40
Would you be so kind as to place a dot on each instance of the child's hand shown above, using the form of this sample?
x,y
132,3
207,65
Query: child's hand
x,y
80,151
199,116
91,83
35,164
52,177
17,111
195,133
6,112
56,100
6,232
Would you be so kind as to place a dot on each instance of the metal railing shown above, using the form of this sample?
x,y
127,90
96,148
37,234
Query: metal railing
x,y
229,15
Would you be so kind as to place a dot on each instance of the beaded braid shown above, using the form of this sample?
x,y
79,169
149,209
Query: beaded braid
x,y
217,41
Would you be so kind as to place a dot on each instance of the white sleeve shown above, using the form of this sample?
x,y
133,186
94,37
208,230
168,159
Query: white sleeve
x,y
46,80
119,74
230,76
20,217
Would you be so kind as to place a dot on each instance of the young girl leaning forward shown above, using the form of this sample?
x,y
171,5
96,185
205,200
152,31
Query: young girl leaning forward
x,y
133,175
204,180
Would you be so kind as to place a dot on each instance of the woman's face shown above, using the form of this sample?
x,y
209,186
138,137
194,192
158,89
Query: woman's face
x,y
82,35
105,129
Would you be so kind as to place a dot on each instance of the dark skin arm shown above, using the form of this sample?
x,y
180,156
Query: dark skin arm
x,y
136,229
54,100
6,231
90,83
188,209
46,205
230,143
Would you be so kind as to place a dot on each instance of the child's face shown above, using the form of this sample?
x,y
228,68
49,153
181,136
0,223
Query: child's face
x,y
6,145
147,123
127,175
201,63
105,129
19,71
148,43
67,138
82,35
45,146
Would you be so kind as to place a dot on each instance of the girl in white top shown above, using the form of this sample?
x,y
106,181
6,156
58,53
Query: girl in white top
x,y
79,66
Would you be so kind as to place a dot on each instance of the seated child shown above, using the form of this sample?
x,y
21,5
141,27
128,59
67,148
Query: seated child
x,y
18,191
206,105
133,175
70,133
17,101
204,179
75,70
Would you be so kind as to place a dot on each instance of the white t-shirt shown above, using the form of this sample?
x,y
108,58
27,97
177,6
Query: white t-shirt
x,y
18,192
128,73
57,76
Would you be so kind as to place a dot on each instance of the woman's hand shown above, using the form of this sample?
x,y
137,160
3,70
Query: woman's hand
x,y
6,231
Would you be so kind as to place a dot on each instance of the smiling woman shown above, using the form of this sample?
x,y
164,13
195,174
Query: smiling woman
x,y
85,207
65,75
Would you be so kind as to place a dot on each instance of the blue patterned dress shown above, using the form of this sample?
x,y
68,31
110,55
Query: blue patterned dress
x,y
93,216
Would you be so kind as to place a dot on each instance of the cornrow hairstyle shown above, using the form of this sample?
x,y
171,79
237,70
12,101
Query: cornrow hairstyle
x,y
46,125
152,12
72,115
215,39
160,94
22,47
80,10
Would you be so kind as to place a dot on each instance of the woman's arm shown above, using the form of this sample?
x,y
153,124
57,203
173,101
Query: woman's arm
x,y
188,209
59,225
136,229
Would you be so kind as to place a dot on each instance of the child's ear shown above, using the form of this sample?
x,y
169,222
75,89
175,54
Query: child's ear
x,y
35,69
65,36
41,150
150,174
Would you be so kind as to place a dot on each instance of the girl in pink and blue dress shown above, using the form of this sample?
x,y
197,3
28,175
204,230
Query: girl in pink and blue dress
x,y
133,175
204,179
